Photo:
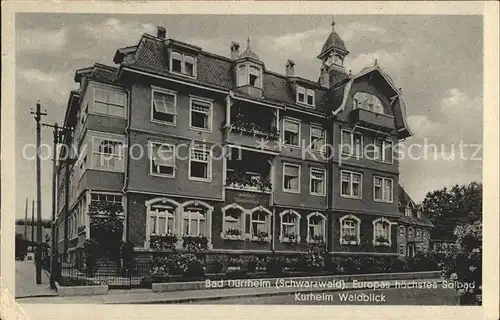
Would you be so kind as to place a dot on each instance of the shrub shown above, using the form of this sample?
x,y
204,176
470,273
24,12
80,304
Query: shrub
x,y
275,265
255,264
195,243
178,264
72,281
463,263
163,242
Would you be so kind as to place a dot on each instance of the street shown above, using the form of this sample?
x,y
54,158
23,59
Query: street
x,y
26,281
438,296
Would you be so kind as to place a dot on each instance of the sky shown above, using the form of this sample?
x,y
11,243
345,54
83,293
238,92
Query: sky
x,y
436,60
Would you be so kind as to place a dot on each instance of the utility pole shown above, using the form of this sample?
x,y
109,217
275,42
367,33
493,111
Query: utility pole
x,y
38,254
58,131
26,219
32,223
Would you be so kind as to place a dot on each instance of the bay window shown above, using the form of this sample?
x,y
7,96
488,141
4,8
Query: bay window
x,y
249,75
110,102
107,154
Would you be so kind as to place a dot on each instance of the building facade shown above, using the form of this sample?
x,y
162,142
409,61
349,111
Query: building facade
x,y
193,143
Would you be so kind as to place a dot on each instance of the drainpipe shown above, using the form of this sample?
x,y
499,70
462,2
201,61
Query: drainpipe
x,y
127,165
329,195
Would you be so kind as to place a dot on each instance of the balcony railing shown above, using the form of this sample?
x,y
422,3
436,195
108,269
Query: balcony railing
x,y
253,129
247,181
372,119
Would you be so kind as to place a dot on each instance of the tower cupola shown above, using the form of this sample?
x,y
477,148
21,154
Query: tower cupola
x,y
332,58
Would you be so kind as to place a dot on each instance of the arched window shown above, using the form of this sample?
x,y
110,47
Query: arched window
x,y
196,219
367,101
259,226
161,218
316,228
233,222
350,230
290,226
381,232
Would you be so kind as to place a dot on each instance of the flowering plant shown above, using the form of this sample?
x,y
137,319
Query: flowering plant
x,y
163,242
194,243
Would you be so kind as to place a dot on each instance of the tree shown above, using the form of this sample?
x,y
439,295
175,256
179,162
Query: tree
x,y
448,208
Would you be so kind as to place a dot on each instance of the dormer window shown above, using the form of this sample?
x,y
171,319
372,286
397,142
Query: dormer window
x,y
249,75
305,96
183,63
408,211
363,100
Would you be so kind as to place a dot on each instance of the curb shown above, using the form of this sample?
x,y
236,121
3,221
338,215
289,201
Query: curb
x,y
253,295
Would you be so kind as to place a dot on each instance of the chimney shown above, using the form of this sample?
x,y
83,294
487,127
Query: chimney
x,y
235,50
290,68
161,32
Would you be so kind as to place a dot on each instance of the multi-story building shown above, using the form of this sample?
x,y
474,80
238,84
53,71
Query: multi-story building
x,y
195,143
414,234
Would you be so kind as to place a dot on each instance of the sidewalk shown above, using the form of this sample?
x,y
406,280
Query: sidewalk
x,y
146,296
26,285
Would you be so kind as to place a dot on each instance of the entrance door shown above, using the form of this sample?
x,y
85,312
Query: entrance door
x,y
411,250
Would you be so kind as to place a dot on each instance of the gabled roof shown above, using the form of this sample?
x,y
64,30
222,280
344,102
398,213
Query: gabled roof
x,y
399,104
406,201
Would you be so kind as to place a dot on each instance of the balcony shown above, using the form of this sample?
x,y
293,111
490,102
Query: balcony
x,y
247,170
372,119
252,126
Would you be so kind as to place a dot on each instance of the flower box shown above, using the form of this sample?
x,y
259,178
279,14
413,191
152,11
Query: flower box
x,y
233,237
294,239
261,239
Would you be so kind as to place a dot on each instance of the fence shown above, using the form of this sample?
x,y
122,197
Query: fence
x,y
111,274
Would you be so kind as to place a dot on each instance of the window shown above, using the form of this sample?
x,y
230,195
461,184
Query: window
x,y
317,138
249,75
291,133
368,102
161,219
351,184
290,226
410,232
381,232
107,154
259,226
426,234
316,227
162,159
199,164
352,143
254,77
109,102
96,198
349,230
201,115
382,150
193,221
419,233
164,107
232,225
183,63
301,95
291,178
401,230
402,249
408,211
305,96
382,189
419,214
317,182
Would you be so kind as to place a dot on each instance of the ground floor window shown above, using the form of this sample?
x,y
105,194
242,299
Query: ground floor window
x,y
259,224
381,232
194,222
316,227
350,230
290,226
